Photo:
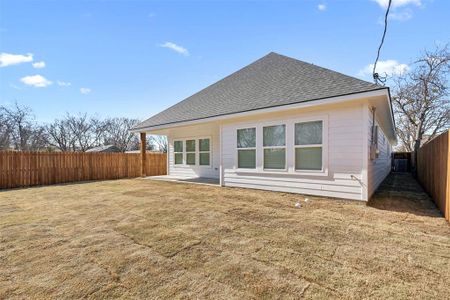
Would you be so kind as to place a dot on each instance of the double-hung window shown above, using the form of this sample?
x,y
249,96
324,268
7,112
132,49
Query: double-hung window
x,y
308,146
178,151
204,152
190,152
246,144
274,147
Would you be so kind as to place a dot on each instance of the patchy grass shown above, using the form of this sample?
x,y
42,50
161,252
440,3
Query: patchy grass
x,y
148,239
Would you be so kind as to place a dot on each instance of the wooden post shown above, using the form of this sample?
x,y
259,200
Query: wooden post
x,y
143,153
447,213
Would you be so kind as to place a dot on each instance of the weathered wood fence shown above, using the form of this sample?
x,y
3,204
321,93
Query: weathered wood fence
x,y
25,168
433,170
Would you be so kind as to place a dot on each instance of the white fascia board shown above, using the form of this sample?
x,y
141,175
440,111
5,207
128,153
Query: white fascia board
x,y
325,101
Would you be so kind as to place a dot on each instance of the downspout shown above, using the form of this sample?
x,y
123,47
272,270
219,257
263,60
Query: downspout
x,y
365,153
373,109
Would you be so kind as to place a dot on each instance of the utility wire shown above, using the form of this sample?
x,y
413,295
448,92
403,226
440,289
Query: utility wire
x,y
376,76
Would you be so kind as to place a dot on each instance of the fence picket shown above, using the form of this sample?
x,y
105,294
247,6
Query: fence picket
x,y
29,168
433,170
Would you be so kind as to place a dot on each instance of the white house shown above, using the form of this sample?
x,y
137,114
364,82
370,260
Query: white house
x,y
281,124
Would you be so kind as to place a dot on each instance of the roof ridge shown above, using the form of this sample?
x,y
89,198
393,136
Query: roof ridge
x,y
320,67
272,80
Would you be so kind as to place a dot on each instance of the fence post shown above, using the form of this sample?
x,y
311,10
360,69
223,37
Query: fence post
x,y
143,153
447,201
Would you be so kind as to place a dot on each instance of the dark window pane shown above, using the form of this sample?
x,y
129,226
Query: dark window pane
x,y
246,138
308,158
274,158
178,145
274,135
178,158
190,146
204,144
190,158
204,159
247,159
308,133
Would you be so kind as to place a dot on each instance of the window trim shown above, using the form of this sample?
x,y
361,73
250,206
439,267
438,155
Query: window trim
x,y
275,147
197,152
190,152
290,149
247,148
200,152
324,145
182,152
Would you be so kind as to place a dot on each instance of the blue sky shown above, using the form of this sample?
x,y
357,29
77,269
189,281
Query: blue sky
x,y
135,58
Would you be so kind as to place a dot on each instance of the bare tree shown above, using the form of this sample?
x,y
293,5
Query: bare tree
x,y
71,133
60,135
118,133
420,99
159,142
5,134
98,131
38,140
87,131
19,129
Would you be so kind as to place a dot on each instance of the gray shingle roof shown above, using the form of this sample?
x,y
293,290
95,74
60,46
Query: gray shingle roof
x,y
273,80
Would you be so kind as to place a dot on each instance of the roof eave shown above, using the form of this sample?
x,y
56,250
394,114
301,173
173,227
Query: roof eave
x,y
313,102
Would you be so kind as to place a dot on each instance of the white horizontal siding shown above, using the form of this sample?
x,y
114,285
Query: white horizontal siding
x,y
210,130
380,167
345,152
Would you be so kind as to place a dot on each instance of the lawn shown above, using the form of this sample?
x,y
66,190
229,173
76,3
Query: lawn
x,y
152,239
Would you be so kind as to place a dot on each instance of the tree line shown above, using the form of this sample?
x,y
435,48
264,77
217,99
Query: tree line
x,y
20,131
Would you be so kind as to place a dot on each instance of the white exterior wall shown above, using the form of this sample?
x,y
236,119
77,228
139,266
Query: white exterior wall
x,y
344,142
380,167
207,130
348,170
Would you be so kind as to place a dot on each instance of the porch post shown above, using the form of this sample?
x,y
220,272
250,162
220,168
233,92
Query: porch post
x,y
143,153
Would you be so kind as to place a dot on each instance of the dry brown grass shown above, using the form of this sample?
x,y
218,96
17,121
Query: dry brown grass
x,y
152,239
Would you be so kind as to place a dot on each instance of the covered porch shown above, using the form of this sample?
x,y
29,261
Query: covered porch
x,y
193,153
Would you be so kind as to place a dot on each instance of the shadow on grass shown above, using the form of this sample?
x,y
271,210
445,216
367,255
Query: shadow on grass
x,y
40,186
400,192
202,180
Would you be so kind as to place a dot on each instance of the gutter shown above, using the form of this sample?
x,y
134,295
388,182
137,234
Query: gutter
x,y
306,103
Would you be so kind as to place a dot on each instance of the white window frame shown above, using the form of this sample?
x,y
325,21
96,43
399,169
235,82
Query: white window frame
x,y
200,152
247,148
290,143
182,153
189,152
197,152
324,145
275,147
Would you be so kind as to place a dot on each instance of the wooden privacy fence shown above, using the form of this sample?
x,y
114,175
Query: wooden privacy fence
x,y
25,168
433,170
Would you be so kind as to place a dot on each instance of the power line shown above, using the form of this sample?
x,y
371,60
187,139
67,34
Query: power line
x,y
376,76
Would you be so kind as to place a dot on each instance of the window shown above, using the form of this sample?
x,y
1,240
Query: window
x,y
178,150
190,152
308,146
204,152
246,144
274,147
